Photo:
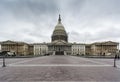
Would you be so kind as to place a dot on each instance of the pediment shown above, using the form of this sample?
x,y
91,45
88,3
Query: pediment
x,y
59,42
110,43
8,42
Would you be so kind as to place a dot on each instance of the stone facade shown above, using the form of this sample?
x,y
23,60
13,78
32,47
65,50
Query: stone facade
x,y
40,48
78,49
104,48
59,48
18,48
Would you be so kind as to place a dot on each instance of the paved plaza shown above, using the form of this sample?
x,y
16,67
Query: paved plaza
x,y
59,68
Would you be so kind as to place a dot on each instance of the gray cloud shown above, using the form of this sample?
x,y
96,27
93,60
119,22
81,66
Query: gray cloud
x,y
84,20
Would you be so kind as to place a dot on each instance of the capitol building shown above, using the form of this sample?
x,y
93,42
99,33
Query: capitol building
x,y
59,45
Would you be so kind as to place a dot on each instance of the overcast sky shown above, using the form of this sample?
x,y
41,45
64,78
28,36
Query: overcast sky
x,y
84,20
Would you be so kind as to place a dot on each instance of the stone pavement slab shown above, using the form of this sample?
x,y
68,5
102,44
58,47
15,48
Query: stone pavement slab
x,y
59,68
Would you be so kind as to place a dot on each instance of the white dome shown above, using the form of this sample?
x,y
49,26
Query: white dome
x,y
59,26
59,32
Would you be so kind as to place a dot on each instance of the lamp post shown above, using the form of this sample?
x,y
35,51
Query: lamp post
x,y
115,60
117,56
4,61
4,54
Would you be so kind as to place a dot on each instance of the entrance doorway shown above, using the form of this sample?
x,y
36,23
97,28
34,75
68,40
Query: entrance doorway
x,y
59,53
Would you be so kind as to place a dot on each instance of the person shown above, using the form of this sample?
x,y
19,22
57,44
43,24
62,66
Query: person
x,y
115,60
118,57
